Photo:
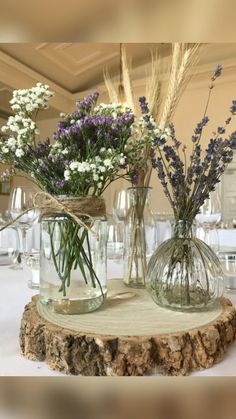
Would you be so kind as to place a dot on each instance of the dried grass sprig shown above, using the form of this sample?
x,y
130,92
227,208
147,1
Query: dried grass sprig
x,y
153,86
183,58
113,95
127,81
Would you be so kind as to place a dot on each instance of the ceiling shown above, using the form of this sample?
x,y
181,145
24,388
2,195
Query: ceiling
x,y
72,68
78,66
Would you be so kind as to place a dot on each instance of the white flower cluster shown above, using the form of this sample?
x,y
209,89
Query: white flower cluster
x,y
158,131
56,150
26,103
112,109
98,168
6,175
140,134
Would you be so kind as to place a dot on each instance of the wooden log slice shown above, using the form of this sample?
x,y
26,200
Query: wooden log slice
x,y
129,335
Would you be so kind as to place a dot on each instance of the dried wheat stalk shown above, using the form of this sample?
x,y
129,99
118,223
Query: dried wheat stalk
x,y
127,81
113,96
153,86
183,58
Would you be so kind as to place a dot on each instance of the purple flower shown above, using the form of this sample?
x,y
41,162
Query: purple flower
x,y
232,140
149,125
233,107
221,130
58,183
194,138
200,125
87,101
143,104
172,135
217,72
158,141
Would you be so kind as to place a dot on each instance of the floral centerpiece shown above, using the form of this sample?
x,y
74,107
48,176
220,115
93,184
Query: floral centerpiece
x,y
86,156
184,273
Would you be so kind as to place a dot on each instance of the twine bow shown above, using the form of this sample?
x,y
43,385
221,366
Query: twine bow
x,y
74,207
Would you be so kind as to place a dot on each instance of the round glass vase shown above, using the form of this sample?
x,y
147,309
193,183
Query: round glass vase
x,y
73,272
184,273
139,237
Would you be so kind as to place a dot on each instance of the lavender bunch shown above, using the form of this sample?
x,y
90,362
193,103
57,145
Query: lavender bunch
x,y
187,186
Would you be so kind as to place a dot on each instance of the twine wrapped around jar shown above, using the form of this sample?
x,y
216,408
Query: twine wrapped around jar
x,y
75,207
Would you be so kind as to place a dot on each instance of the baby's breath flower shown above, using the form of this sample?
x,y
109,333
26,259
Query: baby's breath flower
x,y
19,152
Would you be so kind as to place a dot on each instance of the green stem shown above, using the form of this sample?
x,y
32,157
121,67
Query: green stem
x,y
71,253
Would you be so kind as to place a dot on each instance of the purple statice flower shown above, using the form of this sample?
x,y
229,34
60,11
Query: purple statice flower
x,y
124,120
233,107
217,72
84,107
61,133
87,102
58,183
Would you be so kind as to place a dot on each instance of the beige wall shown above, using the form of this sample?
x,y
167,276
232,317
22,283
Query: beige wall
x,y
189,111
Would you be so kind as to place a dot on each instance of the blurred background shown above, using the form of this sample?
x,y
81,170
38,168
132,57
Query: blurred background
x,y
107,398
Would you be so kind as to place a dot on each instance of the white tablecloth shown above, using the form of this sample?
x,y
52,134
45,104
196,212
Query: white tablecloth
x,y
14,294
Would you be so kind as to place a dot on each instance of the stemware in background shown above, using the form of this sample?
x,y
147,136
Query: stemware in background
x,y
121,204
21,199
115,239
32,265
163,227
208,218
9,248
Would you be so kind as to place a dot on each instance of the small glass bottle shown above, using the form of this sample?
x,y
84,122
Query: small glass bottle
x,y
139,240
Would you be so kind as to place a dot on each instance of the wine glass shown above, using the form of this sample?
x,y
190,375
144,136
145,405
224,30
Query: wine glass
x,y
121,204
32,265
10,248
21,199
115,239
207,219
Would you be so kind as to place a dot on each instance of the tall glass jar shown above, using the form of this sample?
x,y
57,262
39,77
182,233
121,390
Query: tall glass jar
x,y
139,240
184,273
72,264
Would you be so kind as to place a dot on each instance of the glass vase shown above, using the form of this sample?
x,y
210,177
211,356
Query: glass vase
x,y
184,273
139,240
72,265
